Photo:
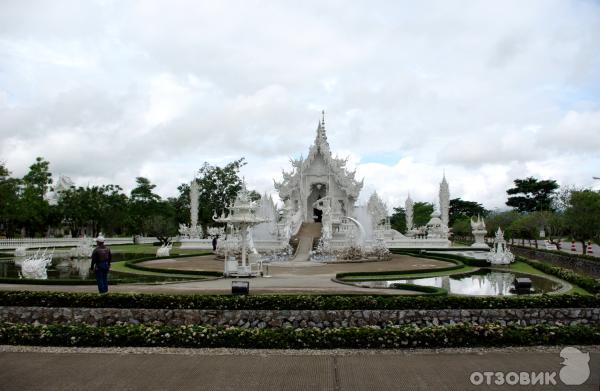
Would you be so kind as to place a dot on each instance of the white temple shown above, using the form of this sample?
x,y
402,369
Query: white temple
x,y
320,197
320,192
64,183
317,179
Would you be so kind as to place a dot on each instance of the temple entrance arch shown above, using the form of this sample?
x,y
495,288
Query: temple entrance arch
x,y
317,191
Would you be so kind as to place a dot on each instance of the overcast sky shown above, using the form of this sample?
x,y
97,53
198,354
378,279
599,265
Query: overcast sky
x,y
487,91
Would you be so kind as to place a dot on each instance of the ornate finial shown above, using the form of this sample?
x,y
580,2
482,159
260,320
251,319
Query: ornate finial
x,y
323,117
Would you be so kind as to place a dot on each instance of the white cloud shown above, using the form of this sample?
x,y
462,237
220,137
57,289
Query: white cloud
x,y
108,90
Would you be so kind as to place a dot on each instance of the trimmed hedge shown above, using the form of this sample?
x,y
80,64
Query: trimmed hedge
x,y
561,253
290,302
589,284
195,336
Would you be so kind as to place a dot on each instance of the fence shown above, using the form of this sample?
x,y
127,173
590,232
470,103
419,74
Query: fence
x,y
7,244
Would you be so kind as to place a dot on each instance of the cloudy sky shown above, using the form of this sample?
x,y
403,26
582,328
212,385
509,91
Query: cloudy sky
x,y
487,91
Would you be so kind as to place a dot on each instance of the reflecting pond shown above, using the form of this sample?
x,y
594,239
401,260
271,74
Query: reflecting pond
x,y
483,282
65,267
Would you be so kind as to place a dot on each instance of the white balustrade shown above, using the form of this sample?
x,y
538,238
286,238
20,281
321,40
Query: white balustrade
x,y
13,243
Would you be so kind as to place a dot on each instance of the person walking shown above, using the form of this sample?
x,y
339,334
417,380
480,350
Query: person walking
x,y
101,258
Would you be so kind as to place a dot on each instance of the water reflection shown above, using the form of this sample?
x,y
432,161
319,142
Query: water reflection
x,y
62,267
484,282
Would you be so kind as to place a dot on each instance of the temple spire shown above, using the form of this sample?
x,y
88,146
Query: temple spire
x,y
321,138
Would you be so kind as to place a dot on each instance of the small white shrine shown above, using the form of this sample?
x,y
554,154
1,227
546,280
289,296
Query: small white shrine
x,y
500,254
479,231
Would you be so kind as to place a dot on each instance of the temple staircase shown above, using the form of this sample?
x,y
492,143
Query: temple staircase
x,y
306,235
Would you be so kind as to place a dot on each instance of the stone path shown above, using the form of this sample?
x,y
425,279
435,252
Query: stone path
x,y
306,234
221,369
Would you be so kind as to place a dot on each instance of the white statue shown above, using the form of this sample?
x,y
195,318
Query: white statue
x,y
378,210
84,248
408,207
194,231
479,232
500,254
21,251
35,266
436,229
444,201
164,250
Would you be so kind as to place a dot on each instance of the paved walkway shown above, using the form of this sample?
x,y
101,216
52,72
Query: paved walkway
x,y
220,369
290,277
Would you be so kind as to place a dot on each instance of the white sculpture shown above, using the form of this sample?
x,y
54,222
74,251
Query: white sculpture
x,y
35,266
193,231
436,229
63,183
164,250
479,232
242,215
378,210
21,251
444,201
84,248
408,207
500,254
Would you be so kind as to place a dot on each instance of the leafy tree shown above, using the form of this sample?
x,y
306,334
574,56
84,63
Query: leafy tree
x,y
501,220
525,227
531,194
35,211
461,210
218,187
163,227
143,191
462,228
9,202
94,209
582,217
143,204
398,220
422,213
38,180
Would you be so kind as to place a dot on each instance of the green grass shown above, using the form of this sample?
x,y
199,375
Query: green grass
x,y
150,249
121,267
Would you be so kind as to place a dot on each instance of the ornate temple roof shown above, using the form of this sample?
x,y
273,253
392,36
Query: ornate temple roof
x,y
336,166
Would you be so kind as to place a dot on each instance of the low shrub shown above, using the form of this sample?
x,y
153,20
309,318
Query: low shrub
x,y
290,302
560,253
589,284
195,336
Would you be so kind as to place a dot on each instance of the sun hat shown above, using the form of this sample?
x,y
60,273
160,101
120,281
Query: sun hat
x,y
100,239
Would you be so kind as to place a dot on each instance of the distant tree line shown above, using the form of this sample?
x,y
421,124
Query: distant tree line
x,y
25,211
538,206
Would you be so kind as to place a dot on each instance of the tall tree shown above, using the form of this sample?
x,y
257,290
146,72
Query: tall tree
x,y
218,187
144,203
582,217
398,220
34,209
531,194
9,202
501,220
422,213
461,210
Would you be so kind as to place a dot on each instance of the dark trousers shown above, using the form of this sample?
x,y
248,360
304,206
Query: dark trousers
x,y
102,280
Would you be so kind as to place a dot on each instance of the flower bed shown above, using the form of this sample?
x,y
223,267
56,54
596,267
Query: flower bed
x,y
589,284
289,302
194,336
